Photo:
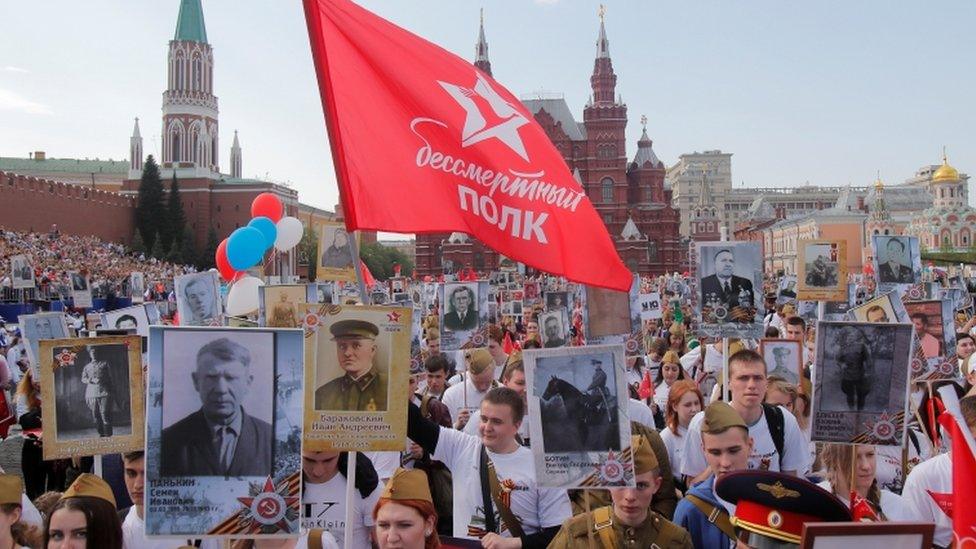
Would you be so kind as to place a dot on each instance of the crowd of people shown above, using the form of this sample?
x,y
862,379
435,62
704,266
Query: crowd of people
x,y
691,448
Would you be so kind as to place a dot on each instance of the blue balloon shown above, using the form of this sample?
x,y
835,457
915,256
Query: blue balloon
x,y
245,248
267,228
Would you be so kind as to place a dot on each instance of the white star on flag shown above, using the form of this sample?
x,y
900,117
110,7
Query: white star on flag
x,y
476,127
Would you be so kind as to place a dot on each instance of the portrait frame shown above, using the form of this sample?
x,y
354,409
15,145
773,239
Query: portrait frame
x,y
837,310
224,504
335,263
740,313
786,290
61,403
890,303
328,427
321,293
944,365
455,333
650,304
793,363
909,260
868,365
824,281
137,286
891,535
270,296
551,298
81,294
137,313
17,265
584,457
607,311
207,283
30,328
562,317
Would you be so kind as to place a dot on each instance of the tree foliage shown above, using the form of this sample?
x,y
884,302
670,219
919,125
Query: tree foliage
x,y
149,211
174,220
207,257
380,259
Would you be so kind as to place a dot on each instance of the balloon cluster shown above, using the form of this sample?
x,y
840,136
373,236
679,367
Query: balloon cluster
x,y
246,246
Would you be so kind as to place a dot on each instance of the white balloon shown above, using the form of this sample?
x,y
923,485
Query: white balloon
x,y
243,296
290,232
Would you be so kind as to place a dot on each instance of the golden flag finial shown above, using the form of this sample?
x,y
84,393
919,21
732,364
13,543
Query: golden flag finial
x,y
602,11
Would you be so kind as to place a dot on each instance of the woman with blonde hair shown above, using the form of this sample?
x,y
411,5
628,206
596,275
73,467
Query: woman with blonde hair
x,y
853,468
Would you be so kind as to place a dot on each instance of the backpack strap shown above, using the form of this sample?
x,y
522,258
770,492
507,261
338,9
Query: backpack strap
x,y
490,525
715,515
315,538
777,428
603,525
513,524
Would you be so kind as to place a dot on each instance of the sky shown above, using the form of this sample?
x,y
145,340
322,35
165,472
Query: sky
x,y
826,92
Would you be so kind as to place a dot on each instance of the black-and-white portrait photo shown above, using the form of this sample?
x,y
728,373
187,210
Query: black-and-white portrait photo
x,y
554,328
91,388
556,301
461,307
137,286
337,254
861,380
897,259
198,299
578,402
820,267
40,326
884,308
729,274
784,359
787,289
21,272
130,318
218,402
319,292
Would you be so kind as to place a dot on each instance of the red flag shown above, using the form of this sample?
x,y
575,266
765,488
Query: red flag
x,y
861,509
423,142
368,279
507,345
646,388
963,512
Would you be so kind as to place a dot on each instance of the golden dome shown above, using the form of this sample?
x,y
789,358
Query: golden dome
x,y
878,185
945,173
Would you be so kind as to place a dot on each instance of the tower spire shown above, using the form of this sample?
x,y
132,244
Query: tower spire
x,y
135,152
189,24
235,158
481,48
603,81
602,44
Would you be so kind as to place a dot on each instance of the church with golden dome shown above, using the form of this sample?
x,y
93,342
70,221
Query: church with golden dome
x,y
950,222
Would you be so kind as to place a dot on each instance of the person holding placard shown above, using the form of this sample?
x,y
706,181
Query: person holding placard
x,y
629,521
466,396
837,461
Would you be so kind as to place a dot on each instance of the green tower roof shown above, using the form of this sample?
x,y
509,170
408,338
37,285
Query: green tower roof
x,y
189,25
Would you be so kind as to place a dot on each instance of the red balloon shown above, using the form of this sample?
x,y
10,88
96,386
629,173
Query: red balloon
x,y
267,205
223,264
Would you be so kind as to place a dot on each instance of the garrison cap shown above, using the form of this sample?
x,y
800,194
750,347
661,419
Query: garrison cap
x,y
644,458
354,329
777,505
89,485
407,484
479,360
11,489
719,416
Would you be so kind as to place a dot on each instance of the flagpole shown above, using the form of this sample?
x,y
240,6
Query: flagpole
x,y
724,232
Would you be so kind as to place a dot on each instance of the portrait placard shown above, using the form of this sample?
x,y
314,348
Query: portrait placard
x,y
890,535
837,310
861,382
137,286
38,327
464,314
786,290
884,308
728,302
936,339
281,306
81,295
335,261
129,318
577,402
21,272
198,299
650,306
357,366
823,270
319,292
152,313
239,322
897,260
557,300
554,328
223,431
784,359
614,311
92,396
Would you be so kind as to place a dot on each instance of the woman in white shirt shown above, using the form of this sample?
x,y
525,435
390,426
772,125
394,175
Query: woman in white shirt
x,y
684,401
837,461
670,372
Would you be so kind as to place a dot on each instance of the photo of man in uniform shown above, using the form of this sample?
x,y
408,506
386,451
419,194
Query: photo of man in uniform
x,y
338,255
363,386
821,273
462,313
895,268
876,313
126,322
552,327
201,301
220,438
78,282
782,356
724,286
283,313
97,377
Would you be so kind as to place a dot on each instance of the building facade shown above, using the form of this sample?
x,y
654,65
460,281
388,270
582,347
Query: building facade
x,y
628,193
684,179
948,224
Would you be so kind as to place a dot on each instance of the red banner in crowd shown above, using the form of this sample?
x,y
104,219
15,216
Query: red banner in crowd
x,y
963,512
425,142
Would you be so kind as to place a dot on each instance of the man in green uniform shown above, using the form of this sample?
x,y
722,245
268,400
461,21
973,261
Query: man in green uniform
x,y
363,387
629,522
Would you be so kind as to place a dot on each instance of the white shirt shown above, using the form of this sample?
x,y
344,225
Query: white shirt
x,y
536,507
134,536
934,475
454,397
385,463
892,505
661,393
323,506
675,443
640,412
764,455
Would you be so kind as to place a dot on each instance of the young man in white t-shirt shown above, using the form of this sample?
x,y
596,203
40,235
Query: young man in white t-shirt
x,y
540,511
133,524
464,397
514,379
930,483
747,382
324,497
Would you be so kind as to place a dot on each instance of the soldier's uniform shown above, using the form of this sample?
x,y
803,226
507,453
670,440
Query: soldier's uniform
x,y
601,528
368,393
